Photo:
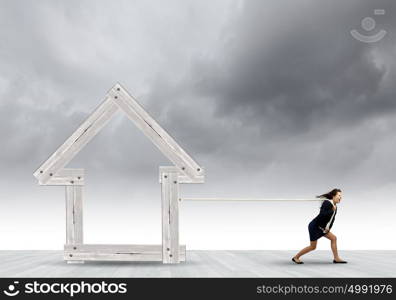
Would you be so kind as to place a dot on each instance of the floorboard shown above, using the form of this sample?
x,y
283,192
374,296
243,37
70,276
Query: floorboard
x,y
206,263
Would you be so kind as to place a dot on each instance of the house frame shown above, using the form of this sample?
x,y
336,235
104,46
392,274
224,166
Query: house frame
x,y
184,170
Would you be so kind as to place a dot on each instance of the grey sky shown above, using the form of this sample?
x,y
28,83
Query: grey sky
x,y
273,98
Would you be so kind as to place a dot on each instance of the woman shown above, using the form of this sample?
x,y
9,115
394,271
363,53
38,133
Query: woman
x,y
321,225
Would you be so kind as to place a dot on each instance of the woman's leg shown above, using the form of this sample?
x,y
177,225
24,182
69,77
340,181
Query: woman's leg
x,y
306,250
333,241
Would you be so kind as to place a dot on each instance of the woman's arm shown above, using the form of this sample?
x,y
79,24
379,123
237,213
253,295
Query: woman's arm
x,y
326,209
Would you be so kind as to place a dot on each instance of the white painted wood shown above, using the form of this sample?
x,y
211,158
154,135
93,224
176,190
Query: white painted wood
x,y
87,130
70,229
116,257
113,257
186,170
186,179
78,213
209,264
165,143
113,248
167,169
165,208
181,178
74,216
67,177
243,199
174,218
64,181
170,217
191,171
68,172
103,252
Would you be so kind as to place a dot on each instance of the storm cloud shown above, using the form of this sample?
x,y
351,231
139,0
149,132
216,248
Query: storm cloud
x,y
271,97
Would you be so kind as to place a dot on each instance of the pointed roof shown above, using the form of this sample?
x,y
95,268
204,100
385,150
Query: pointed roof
x,y
118,99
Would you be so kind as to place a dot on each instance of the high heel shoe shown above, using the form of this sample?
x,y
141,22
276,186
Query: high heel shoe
x,y
297,262
339,262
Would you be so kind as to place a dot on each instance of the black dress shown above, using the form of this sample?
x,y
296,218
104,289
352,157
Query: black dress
x,y
323,220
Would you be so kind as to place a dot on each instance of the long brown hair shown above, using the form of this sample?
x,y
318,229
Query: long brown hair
x,y
329,195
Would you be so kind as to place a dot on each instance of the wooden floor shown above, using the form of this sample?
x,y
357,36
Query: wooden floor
x,y
199,263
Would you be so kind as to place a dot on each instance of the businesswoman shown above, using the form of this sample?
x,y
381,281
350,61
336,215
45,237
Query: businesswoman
x,y
321,225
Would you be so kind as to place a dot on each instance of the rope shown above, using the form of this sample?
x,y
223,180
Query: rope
x,y
243,199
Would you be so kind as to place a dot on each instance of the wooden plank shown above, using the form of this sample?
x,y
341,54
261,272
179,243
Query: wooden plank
x,y
204,263
74,216
186,179
165,207
64,181
70,232
174,218
87,130
67,177
115,257
113,248
170,217
103,252
165,143
68,172
112,257
78,213
181,178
